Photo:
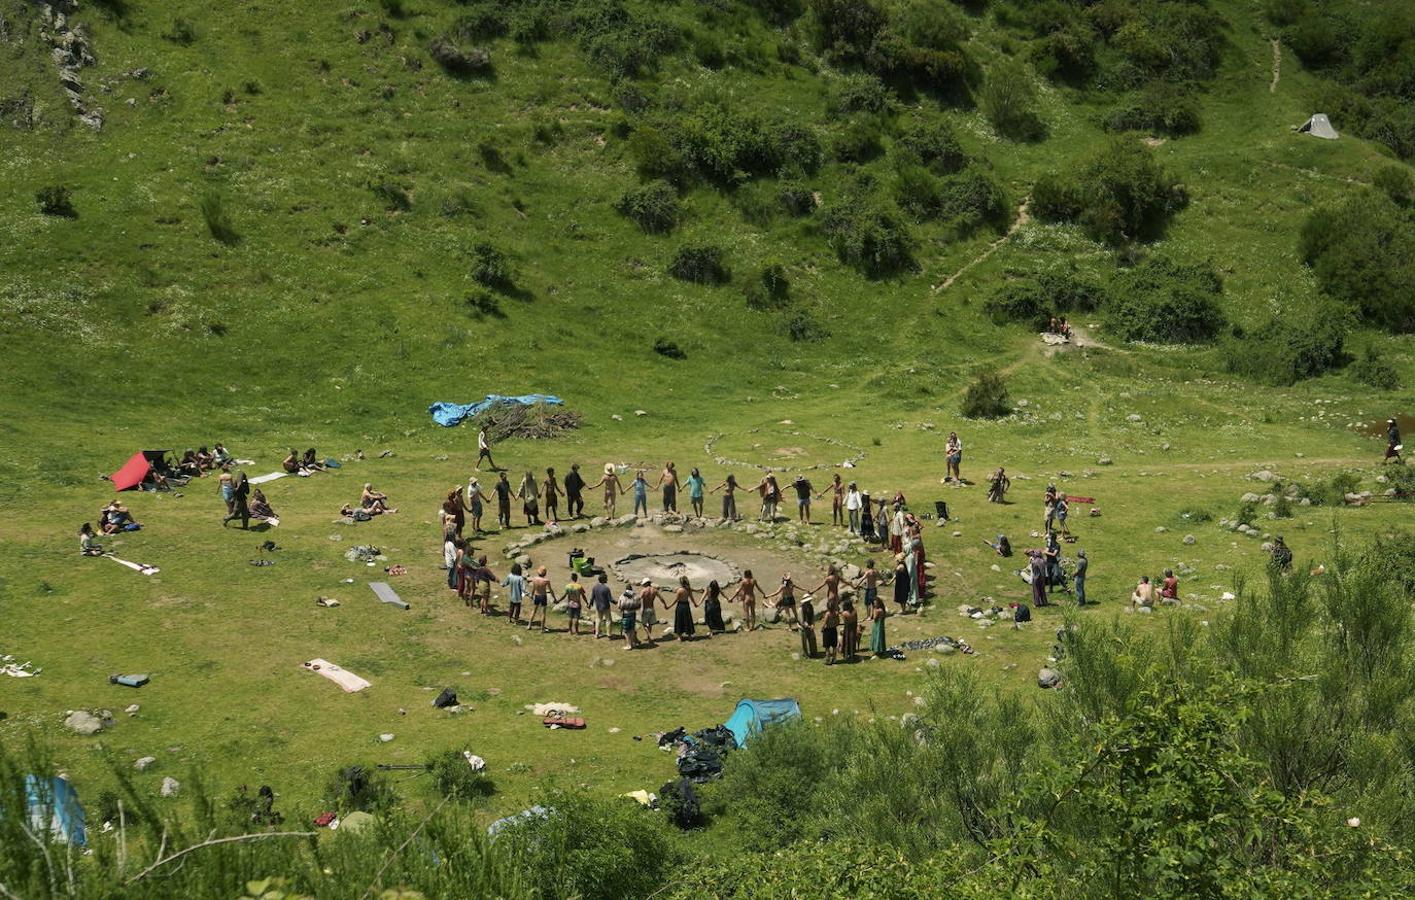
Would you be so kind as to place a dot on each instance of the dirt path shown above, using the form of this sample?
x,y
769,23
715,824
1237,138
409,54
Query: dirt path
x,y
1023,217
1277,65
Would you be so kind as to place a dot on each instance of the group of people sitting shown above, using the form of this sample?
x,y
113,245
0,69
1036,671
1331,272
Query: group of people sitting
x,y
195,463
306,463
116,517
1059,326
1145,594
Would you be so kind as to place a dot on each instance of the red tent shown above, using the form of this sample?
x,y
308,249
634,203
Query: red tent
x,y
136,469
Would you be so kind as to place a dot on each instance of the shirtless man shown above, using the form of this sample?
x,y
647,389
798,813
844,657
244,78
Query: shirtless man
x,y
540,599
612,489
668,480
747,593
831,585
551,491
837,500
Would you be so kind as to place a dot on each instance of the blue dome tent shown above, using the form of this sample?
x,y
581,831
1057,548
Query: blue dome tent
x,y
751,716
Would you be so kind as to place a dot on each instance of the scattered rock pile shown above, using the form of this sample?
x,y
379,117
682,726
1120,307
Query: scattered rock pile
x,y
71,51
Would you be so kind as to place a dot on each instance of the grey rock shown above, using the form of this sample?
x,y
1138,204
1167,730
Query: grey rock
x,y
83,722
1134,417
579,529
142,764
170,786
1263,475
598,522
1190,539
1160,529
1104,461
1048,678
673,529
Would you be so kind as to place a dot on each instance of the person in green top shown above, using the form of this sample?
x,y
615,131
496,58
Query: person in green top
x,y
574,597
695,492
878,644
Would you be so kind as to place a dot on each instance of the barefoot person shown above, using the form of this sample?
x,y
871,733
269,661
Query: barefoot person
x,y
998,483
374,501
696,484
612,489
684,602
550,490
837,500
240,498
830,584
226,487
628,617
803,487
1144,593
648,616
88,543
640,487
529,494
475,499
878,642
785,597
852,503
953,454
808,628
574,597
540,599
849,631
601,599
712,609
747,593
515,584
729,497
668,480
830,632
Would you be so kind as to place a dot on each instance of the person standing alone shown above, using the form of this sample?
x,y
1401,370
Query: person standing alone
x,y
484,450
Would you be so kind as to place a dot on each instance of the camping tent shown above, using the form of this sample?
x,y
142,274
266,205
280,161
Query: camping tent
x,y
751,716
54,806
135,470
1319,126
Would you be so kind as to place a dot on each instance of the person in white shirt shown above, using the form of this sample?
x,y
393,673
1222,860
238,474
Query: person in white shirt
x,y
854,501
484,450
954,454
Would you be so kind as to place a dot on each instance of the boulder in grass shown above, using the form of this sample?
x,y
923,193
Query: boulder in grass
x,y
1048,678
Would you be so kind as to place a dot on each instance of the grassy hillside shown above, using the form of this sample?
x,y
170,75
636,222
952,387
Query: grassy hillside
x,y
295,227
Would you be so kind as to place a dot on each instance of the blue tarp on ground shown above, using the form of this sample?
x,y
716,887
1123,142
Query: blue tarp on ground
x,y
450,414
54,807
752,716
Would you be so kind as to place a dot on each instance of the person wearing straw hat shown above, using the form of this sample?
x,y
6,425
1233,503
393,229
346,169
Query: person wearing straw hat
x,y
612,488
648,618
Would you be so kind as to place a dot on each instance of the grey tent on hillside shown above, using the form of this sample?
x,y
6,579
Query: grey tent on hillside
x,y
1319,126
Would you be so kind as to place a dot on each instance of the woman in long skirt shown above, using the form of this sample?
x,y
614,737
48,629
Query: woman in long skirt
x,y
712,609
867,518
901,583
878,644
683,603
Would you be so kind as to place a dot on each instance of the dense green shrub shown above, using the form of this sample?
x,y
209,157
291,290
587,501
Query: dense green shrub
x,y
987,397
1300,340
803,327
1332,491
723,146
1119,195
491,267
655,156
771,288
1067,55
700,264
1396,182
1008,99
869,236
360,788
916,44
654,207
1374,370
859,142
1157,109
860,93
482,20
778,12
1166,302
966,200
56,200
933,143
797,198
457,60
1034,301
456,779
180,32
1362,251
394,196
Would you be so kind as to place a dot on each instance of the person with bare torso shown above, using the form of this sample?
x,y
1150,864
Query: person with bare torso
x,y
684,600
550,489
540,599
612,488
747,593
729,497
648,617
668,480
837,500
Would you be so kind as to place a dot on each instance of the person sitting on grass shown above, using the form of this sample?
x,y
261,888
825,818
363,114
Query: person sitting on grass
x,y
205,459
375,502
222,457
115,517
1169,588
1144,594
358,515
88,546
261,509
310,461
291,463
188,464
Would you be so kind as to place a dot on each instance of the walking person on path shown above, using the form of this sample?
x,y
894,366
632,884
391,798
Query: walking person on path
x,y
1393,443
484,450
729,497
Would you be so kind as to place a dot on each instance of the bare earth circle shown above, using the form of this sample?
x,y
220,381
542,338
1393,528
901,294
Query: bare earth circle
x,y
664,569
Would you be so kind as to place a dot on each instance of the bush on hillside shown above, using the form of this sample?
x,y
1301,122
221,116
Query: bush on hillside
x,y
1036,300
987,397
457,60
620,41
1119,195
797,198
482,20
868,236
654,207
360,788
1300,340
802,327
1157,109
771,289
180,32
1362,252
778,12
56,200
1396,182
491,267
1374,370
217,219
859,142
457,780
700,264
916,44
932,142
1166,302
395,197
966,200
1067,55
860,93
655,156
723,146
1008,99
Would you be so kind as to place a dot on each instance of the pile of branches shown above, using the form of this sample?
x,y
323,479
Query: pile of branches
x,y
537,422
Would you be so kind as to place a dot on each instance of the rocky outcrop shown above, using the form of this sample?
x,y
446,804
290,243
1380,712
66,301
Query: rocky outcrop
x,y
71,51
